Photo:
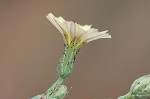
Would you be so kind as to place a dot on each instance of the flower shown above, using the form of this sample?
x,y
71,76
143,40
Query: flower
x,y
74,36
74,33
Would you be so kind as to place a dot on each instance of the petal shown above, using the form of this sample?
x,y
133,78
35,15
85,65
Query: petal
x,y
72,29
103,34
61,24
51,17
57,24
89,33
86,27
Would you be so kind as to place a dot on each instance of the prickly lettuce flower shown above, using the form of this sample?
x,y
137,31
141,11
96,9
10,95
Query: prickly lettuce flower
x,y
74,36
74,33
140,89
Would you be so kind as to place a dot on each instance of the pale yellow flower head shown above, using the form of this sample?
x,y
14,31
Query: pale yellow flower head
x,y
74,33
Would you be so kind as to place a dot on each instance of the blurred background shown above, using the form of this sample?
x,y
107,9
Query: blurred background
x,y
30,47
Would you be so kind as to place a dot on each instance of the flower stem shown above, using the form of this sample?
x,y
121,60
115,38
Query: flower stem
x,y
127,96
54,86
64,69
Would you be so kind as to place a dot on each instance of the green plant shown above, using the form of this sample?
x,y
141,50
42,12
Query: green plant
x,y
74,36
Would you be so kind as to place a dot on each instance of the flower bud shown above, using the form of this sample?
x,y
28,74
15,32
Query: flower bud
x,y
140,89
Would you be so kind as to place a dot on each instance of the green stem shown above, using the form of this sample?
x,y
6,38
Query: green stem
x,y
64,68
127,96
54,86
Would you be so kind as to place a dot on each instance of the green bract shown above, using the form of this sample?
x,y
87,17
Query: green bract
x,y
140,89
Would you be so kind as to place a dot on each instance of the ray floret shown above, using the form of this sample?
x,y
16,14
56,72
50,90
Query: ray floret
x,y
76,34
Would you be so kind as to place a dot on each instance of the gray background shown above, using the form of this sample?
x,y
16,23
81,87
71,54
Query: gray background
x,y
30,47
